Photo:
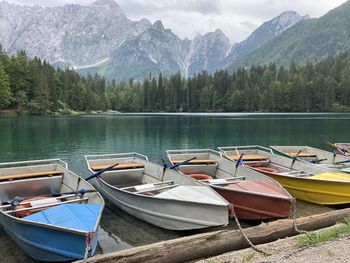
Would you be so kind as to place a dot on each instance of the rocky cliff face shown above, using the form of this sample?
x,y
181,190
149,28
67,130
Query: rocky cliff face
x,y
72,35
100,38
263,34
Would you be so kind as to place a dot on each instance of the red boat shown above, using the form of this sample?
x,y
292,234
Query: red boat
x,y
253,195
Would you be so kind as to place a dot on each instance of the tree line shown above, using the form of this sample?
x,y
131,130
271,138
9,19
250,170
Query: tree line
x,y
35,85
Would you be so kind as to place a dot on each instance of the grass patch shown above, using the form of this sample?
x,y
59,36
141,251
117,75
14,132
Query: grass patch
x,y
324,236
248,258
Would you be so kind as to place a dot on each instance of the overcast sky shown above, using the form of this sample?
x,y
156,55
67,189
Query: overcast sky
x,y
187,18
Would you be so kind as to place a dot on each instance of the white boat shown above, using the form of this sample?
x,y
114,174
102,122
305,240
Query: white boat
x,y
159,196
51,213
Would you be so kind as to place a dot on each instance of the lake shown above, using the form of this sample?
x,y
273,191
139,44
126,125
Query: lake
x,y
70,138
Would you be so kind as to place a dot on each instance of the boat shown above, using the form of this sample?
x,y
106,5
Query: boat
x,y
253,195
304,181
157,195
315,156
52,214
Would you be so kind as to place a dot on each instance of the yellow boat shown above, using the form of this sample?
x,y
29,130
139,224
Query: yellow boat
x,y
304,181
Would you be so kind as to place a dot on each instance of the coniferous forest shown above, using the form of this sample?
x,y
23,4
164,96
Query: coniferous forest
x,y
34,86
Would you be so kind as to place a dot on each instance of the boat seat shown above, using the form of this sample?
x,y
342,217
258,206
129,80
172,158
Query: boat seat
x,y
197,161
120,166
248,157
29,175
82,217
301,154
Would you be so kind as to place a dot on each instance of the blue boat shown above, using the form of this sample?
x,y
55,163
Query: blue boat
x,y
51,213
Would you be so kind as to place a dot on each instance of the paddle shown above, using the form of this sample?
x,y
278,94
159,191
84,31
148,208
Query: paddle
x,y
182,163
239,162
318,160
101,172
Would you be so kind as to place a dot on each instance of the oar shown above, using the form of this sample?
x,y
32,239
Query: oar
x,y
101,172
318,160
295,157
346,161
239,162
164,168
81,192
341,150
182,163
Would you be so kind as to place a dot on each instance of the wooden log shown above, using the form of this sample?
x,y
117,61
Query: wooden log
x,y
218,242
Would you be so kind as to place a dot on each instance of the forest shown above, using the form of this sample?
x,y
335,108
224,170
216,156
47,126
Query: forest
x,y
34,86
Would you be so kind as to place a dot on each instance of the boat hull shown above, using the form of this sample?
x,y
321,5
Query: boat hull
x,y
166,213
323,192
255,206
33,240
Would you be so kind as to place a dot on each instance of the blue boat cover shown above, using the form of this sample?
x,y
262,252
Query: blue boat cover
x,y
75,216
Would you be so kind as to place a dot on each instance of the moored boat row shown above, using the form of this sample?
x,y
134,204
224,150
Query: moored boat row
x,y
54,214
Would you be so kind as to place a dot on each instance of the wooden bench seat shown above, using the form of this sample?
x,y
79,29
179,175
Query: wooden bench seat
x,y
248,157
197,161
301,154
120,166
29,175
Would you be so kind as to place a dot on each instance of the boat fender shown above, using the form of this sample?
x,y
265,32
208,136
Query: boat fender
x,y
32,202
266,169
199,176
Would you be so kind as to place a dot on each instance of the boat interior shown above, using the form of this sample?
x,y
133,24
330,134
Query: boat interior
x,y
135,174
210,166
262,159
29,187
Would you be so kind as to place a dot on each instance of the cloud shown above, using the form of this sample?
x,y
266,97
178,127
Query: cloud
x,y
187,18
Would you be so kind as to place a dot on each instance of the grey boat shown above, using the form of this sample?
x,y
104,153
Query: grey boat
x,y
159,196
315,156
51,213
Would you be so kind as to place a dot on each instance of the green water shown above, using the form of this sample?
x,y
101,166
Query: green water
x,y
69,138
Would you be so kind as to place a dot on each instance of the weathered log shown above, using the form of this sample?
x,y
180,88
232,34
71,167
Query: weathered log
x,y
218,242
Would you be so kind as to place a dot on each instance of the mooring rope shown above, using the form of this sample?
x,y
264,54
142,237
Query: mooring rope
x,y
294,216
233,213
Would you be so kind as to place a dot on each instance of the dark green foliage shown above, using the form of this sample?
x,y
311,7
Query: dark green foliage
x,y
314,87
36,86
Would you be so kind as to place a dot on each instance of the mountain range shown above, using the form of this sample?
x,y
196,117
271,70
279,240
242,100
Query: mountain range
x,y
100,38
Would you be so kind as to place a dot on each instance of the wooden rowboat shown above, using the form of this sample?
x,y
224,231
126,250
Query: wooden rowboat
x,y
162,197
315,156
253,195
304,181
51,213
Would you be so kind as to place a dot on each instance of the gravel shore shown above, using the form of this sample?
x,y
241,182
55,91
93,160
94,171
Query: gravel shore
x,y
284,250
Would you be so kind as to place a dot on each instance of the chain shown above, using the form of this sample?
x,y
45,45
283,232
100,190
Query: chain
x,y
233,214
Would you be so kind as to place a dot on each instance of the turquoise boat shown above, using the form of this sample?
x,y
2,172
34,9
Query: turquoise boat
x,y
51,213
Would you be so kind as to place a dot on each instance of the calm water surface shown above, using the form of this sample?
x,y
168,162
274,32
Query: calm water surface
x,y
69,138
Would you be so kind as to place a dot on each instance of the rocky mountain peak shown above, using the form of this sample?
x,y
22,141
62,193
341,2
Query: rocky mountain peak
x,y
158,25
110,3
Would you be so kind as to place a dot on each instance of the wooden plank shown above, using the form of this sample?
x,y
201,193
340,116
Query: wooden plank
x,y
204,245
120,166
301,154
197,161
29,175
248,157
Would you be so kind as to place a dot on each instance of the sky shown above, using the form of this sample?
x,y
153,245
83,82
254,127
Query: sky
x,y
188,18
